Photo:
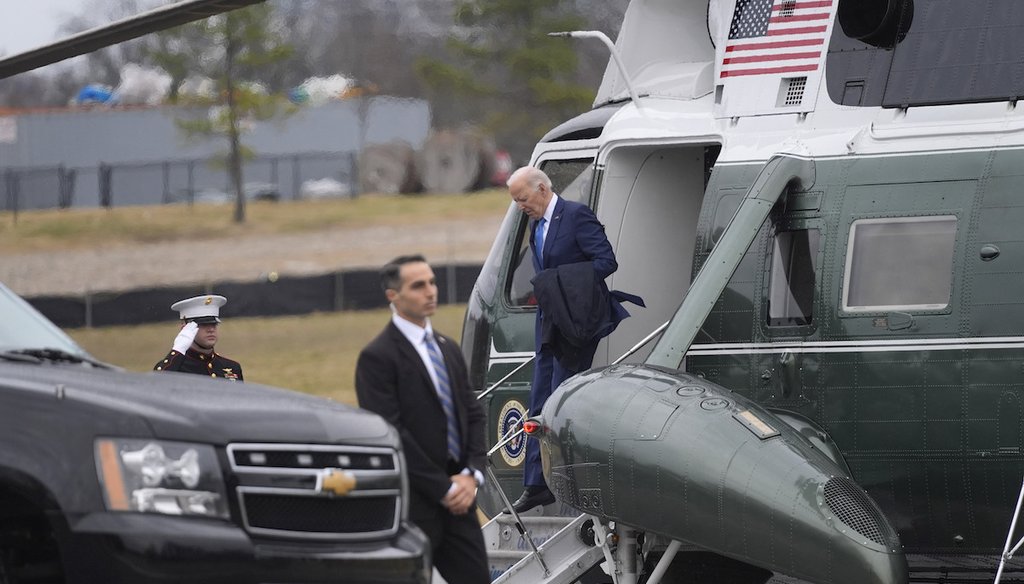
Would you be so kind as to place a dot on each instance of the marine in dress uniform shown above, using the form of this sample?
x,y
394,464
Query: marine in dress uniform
x,y
193,351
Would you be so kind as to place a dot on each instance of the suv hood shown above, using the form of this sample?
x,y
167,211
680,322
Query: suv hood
x,y
189,407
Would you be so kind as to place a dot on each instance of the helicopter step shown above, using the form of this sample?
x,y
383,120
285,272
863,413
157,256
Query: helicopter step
x,y
566,546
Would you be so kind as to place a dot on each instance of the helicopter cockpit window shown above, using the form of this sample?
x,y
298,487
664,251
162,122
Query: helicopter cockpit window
x,y
571,180
794,264
901,263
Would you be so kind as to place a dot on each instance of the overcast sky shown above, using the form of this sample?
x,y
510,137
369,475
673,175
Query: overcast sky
x,y
26,24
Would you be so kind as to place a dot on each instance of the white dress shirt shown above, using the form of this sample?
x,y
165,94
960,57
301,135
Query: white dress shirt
x,y
414,333
548,213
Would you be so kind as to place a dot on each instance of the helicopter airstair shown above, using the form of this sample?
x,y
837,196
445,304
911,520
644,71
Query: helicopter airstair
x,y
538,549
566,548
541,546
552,548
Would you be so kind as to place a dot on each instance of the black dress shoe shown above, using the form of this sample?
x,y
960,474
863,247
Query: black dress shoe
x,y
532,497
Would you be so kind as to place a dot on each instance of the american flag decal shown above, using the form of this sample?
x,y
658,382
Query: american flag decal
x,y
776,36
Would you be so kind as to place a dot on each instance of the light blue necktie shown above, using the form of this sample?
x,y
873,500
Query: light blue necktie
x,y
444,393
538,239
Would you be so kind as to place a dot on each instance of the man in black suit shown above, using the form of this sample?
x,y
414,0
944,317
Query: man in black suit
x,y
417,380
566,236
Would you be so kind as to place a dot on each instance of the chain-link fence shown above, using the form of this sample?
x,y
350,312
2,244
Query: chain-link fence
x,y
291,177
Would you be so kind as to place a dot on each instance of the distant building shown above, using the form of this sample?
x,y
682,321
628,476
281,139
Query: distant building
x,y
150,161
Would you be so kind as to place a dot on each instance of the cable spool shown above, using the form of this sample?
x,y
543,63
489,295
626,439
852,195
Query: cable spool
x,y
388,169
455,162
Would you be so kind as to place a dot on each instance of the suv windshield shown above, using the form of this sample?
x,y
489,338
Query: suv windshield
x,y
23,327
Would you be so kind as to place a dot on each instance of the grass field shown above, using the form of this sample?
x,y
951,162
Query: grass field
x,y
56,230
315,353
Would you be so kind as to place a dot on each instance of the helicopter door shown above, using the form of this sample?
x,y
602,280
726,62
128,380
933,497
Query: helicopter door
x,y
649,201
501,327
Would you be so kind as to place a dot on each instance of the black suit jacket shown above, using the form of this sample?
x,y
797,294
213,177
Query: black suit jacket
x,y
577,247
391,380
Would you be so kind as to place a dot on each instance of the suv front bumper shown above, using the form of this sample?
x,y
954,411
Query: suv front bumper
x,y
137,548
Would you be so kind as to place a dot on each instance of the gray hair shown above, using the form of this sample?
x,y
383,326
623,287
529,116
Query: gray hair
x,y
533,176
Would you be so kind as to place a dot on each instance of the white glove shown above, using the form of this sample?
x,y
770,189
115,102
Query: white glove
x,y
184,339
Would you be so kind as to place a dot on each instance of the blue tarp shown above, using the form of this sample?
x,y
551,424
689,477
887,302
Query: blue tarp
x,y
94,94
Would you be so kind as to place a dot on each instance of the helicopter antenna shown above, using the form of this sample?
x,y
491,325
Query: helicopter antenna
x,y
596,34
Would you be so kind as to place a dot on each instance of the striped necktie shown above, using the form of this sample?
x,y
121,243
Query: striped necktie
x,y
444,393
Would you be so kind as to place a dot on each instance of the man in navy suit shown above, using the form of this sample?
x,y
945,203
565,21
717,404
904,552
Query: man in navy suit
x,y
416,379
561,232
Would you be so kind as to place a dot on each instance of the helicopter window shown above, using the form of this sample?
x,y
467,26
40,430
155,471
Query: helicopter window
x,y
572,180
901,263
794,264
521,289
724,211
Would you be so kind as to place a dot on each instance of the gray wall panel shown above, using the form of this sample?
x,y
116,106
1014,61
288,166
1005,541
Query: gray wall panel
x,y
311,144
84,138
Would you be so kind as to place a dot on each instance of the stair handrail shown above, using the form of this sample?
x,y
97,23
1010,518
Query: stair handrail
x,y
1007,552
503,379
517,429
642,342
508,437
518,521
533,358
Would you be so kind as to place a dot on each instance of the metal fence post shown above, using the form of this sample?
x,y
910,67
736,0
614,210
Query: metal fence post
x,y
88,310
296,178
167,182
191,182
339,291
353,174
66,177
273,176
106,185
452,282
12,181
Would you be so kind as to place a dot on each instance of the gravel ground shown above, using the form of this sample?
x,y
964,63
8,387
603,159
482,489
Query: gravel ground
x,y
242,259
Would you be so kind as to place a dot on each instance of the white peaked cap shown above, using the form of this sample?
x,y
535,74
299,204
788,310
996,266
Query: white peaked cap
x,y
202,309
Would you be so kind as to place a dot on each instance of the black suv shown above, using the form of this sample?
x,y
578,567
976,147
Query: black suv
x,y
109,476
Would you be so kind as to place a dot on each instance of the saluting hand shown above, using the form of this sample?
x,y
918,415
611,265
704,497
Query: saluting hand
x,y
460,499
185,337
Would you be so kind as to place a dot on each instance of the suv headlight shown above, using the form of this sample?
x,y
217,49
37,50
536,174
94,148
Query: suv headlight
x,y
155,476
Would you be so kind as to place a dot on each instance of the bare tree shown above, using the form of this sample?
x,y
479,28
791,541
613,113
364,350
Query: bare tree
x,y
227,48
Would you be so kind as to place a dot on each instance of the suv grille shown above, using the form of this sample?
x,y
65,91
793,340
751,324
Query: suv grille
x,y
320,515
281,490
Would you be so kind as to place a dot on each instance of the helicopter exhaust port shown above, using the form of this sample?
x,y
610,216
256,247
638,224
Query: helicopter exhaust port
x,y
879,23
